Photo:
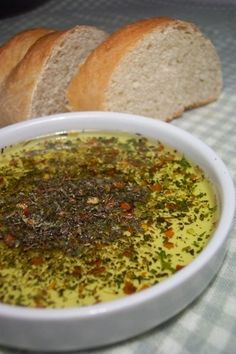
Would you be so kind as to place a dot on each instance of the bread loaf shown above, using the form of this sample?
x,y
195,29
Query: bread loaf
x,y
37,84
16,47
156,67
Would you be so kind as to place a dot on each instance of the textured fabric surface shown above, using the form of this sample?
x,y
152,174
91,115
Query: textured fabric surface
x,y
208,325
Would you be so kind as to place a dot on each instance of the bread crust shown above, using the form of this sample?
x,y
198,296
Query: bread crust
x,y
17,90
16,47
88,87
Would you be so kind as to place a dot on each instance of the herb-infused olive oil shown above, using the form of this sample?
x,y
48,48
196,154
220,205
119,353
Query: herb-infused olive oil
x,y
91,217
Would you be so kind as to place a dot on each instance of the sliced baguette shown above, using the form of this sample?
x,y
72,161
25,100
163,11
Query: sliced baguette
x,y
156,67
36,86
16,47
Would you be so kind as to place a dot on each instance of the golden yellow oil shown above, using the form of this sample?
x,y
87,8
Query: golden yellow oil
x,y
160,233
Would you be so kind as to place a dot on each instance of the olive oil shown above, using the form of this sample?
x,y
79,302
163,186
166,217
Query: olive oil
x,y
87,217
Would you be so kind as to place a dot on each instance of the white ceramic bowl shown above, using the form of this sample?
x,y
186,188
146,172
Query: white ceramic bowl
x,y
105,323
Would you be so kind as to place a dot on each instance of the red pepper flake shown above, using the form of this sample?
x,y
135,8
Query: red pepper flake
x,y
168,245
156,187
111,172
37,260
26,212
77,272
97,270
30,222
169,233
40,305
179,266
171,206
119,185
129,288
128,253
9,240
125,206
96,261
83,216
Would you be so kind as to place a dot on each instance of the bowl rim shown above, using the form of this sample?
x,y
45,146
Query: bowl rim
x,y
219,236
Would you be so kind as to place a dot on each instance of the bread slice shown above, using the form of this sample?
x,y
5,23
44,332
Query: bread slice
x,y
16,47
36,86
156,67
